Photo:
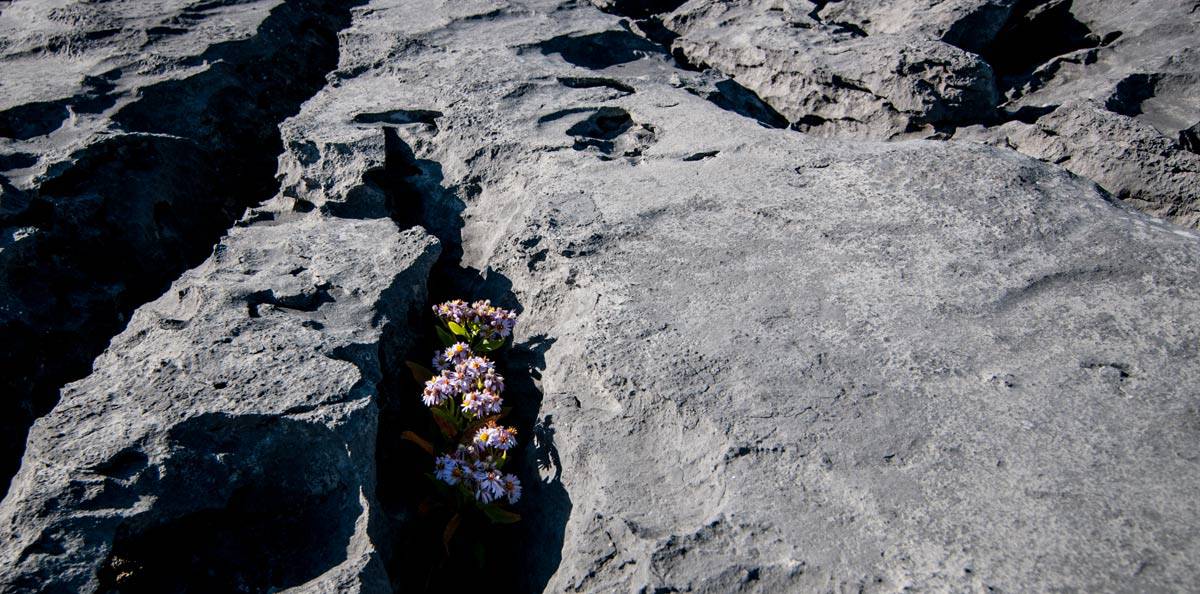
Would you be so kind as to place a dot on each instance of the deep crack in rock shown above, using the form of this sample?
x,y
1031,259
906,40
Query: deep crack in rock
x,y
113,225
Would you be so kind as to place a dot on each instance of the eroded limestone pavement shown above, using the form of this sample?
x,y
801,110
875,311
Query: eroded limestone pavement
x,y
772,351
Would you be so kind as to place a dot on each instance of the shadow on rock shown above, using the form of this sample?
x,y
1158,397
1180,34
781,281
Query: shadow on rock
x,y
522,555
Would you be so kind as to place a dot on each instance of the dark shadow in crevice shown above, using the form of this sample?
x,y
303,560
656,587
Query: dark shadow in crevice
x,y
306,301
1189,138
40,118
1037,31
640,9
131,212
613,133
33,119
400,117
383,188
732,96
979,27
605,123
9,161
1130,93
1028,114
818,6
592,82
520,556
238,510
726,94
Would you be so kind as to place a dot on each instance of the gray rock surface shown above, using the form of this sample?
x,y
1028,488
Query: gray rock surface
x,y
924,68
1119,96
788,364
755,359
1145,168
829,79
227,436
132,134
226,439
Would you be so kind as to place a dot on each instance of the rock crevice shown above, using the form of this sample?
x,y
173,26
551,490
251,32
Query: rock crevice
x,y
133,190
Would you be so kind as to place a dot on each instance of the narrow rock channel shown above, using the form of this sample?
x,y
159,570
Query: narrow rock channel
x,y
92,235
765,344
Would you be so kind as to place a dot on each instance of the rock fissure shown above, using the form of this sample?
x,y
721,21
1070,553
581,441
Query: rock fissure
x,y
731,337
416,560
114,223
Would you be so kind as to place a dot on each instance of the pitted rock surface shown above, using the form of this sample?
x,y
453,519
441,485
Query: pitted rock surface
x,y
762,357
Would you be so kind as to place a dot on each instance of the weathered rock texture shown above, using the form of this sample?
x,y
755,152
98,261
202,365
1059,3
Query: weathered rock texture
x,y
226,438
832,79
132,134
772,361
1120,78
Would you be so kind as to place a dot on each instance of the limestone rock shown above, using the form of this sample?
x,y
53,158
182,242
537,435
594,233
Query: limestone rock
x,y
227,435
774,362
132,134
748,358
1131,159
903,68
833,80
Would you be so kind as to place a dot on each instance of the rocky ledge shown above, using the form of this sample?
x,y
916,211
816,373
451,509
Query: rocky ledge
x,y
1104,89
781,327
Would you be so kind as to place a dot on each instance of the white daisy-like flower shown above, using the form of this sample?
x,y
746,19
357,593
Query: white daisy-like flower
x,y
486,436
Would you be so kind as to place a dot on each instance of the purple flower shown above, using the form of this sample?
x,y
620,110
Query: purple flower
x,y
481,318
512,487
489,485
447,470
473,368
501,438
455,311
451,471
493,382
494,322
451,356
481,403
440,389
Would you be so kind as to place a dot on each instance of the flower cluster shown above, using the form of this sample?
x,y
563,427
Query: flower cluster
x,y
480,319
479,473
464,397
466,376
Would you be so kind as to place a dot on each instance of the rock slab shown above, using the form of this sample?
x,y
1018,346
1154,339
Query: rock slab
x,y
227,437
762,360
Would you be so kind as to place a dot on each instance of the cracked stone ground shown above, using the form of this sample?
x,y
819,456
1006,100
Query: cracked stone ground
x,y
832,296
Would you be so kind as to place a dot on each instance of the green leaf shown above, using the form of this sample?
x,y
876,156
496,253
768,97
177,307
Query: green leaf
x,y
446,421
457,328
419,372
446,337
499,515
488,346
